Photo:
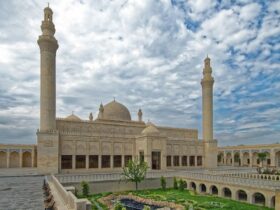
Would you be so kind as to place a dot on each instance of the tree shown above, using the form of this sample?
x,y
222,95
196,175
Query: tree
x,y
175,183
135,171
85,188
163,182
262,157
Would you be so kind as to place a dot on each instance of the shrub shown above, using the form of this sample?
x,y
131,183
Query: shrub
x,y
146,208
182,184
118,206
175,183
85,188
163,182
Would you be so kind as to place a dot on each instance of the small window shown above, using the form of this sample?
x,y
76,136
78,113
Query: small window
x,y
176,161
93,161
127,158
184,160
106,163
168,160
192,160
80,161
117,161
199,160
66,162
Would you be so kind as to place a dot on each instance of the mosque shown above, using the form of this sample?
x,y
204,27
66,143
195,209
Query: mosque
x,y
108,142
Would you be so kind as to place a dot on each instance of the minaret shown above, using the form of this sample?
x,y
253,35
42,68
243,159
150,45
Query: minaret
x,y
140,114
210,145
207,101
48,47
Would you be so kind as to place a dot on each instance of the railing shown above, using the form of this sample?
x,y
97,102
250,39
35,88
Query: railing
x,y
242,179
68,198
256,176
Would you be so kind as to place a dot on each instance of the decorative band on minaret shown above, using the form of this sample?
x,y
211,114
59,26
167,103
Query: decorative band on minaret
x,y
48,47
207,101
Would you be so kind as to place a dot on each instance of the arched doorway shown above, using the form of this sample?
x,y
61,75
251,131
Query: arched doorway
x,y
241,195
236,159
277,159
227,192
26,159
214,190
255,159
202,188
228,159
258,198
14,160
3,159
193,186
246,159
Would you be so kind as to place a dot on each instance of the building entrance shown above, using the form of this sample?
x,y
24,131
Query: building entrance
x,y
156,160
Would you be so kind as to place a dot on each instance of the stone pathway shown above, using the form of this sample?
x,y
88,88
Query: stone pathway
x,y
21,193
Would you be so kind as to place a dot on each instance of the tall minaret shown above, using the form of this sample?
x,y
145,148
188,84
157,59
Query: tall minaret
x,y
207,101
210,145
48,47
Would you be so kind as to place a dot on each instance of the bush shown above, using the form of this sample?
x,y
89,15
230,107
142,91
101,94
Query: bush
x,y
175,183
118,206
182,184
146,208
163,182
85,188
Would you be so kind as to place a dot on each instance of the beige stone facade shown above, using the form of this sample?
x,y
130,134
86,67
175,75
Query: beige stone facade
x,y
18,156
247,155
71,145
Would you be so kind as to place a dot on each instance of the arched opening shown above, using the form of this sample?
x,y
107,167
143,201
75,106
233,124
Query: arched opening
x,y
26,159
228,159
3,159
267,161
227,192
202,188
193,186
246,159
14,159
255,159
272,205
277,159
236,159
258,198
241,195
214,190
221,158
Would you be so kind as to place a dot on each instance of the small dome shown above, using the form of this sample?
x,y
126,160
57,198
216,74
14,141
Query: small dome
x,y
150,129
73,117
116,111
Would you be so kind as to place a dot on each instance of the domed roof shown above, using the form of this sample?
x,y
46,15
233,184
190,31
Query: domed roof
x,y
73,117
116,111
150,129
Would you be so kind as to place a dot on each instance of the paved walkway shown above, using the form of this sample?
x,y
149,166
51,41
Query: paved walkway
x,y
21,193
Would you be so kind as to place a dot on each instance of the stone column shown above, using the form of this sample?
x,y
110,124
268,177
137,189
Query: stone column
x,y
232,158
99,161
251,159
73,161
195,161
87,162
180,161
20,158
272,158
32,158
111,161
241,158
8,158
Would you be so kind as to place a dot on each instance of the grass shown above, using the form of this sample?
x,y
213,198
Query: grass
x,y
186,198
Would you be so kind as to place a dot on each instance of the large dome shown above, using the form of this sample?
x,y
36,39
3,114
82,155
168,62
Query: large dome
x,y
116,111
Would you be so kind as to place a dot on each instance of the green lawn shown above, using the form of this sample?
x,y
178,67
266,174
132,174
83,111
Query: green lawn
x,y
199,202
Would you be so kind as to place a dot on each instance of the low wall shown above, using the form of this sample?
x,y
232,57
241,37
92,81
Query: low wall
x,y
116,186
68,198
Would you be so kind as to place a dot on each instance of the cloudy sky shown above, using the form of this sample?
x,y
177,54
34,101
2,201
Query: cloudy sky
x,y
147,54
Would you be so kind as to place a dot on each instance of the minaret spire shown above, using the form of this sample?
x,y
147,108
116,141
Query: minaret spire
x,y
48,47
210,145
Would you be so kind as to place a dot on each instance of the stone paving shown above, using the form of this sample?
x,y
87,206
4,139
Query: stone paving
x,y
21,193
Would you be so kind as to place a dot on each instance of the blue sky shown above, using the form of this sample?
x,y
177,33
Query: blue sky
x,y
147,54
